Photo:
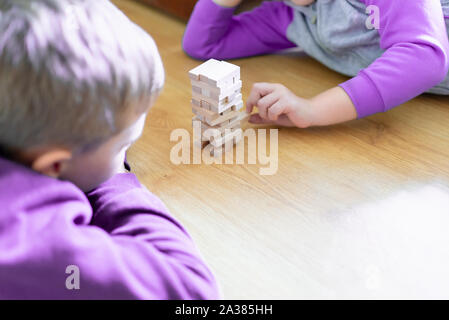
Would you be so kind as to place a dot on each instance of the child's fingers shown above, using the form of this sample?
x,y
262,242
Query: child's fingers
x,y
284,120
275,111
257,119
265,103
258,91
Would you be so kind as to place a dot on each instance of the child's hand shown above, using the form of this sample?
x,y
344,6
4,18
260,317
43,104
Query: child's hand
x,y
278,105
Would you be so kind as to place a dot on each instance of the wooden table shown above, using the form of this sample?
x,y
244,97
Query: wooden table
x,y
359,210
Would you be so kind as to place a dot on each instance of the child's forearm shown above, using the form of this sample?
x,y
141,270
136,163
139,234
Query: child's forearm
x,y
214,32
331,107
146,233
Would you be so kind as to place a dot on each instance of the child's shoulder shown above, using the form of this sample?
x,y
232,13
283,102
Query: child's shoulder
x,y
23,189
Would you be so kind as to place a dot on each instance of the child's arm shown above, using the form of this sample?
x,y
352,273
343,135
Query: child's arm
x,y
156,248
416,58
414,35
278,105
214,32
133,248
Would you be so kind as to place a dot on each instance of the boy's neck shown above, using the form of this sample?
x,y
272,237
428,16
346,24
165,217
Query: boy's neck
x,y
7,154
4,153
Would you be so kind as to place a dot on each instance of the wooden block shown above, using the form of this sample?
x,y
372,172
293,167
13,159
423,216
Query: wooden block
x,y
216,73
232,96
200,144
204,112
215,105
224,124
210,134
238,138
237,103
243,116
236,118
218,151
236,121
223,118
228,136
207,115
196,89
212,118
227,111
220,141
216,92
201,103
196,102
196,118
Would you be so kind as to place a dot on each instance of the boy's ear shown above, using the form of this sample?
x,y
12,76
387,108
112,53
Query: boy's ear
x,y
51,162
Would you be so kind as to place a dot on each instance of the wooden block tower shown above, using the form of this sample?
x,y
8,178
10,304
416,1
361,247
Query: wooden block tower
x,y
216,102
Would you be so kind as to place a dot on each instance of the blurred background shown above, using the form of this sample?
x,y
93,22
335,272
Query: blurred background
x,y
183,8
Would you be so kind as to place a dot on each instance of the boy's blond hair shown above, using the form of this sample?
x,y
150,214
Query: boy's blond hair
x,y
69,69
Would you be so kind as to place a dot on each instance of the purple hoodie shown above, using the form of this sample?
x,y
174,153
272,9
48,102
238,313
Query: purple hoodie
x,y
121,238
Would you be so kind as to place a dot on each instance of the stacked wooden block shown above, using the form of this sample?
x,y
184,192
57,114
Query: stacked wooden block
x,y
216,102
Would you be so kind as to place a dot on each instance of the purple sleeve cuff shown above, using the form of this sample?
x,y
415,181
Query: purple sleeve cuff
x,y
364,94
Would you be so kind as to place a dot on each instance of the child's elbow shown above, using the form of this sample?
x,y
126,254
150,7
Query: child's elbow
x,y
442,72
440,69
193,49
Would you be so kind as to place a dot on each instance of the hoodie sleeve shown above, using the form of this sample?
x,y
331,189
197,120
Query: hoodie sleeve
x,y
156,247
130,248
215,32
414,35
